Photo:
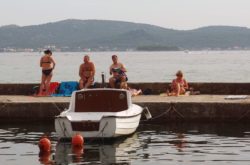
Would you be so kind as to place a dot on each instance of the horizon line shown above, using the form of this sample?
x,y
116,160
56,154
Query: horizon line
x,y
205,26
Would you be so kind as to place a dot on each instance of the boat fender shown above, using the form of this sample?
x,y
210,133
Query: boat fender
x,y
147,113
77,141
44,144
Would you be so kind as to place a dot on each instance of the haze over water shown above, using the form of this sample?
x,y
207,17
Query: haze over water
x,y
198,66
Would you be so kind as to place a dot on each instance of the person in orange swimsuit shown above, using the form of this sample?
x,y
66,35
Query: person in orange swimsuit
x,y
86,73
179,85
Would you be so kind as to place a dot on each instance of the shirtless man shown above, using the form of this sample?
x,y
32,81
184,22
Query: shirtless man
x,y
86,73
117,70
47,64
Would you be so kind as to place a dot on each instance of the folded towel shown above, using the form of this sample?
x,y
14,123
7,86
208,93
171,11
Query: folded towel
x,y
67,88
53,87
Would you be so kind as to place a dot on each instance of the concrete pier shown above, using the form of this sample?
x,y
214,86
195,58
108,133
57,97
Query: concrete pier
x,y
154,88
194,108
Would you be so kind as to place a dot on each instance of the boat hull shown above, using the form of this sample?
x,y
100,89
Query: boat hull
x,y
107,127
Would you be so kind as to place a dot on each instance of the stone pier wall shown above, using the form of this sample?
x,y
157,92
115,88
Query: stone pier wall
x,y
149,88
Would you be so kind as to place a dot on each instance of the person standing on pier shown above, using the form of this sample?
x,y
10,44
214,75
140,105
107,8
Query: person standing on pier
x,y
86,73
47,64
117,70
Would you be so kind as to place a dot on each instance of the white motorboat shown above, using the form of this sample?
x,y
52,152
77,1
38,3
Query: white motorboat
x,y
99,113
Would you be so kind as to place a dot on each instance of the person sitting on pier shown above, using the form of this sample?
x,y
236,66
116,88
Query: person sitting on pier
x,y
47,64
179,85
117,70
86,73
133,92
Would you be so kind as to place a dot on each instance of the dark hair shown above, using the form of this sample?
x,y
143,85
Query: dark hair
x,y
113,56
47,51
86,56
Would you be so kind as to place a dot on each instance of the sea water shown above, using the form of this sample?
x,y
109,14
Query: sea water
x,y
198,66
183,143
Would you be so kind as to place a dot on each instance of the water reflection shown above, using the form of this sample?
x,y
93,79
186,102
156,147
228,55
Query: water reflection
x,y
182,143
26,132
117,152
45,158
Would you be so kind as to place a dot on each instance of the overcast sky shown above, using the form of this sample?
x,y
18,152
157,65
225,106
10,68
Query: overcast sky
x,y
176,14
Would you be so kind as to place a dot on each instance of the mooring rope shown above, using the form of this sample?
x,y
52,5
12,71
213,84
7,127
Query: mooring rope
x,y
62,128
243,115
171,108
101,132
57,108
175,110
3,107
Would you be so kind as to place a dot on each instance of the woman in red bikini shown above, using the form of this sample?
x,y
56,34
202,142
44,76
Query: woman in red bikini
x,y
179,85
47,64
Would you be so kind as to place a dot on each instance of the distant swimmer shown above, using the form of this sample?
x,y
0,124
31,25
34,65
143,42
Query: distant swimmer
x,y
117,70
47,64
86,73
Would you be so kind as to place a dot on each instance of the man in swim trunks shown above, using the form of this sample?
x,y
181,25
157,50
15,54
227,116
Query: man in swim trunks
x,y
47,64
117,70
86,73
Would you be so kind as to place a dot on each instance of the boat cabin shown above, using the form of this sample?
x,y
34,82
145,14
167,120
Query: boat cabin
x,y
102,100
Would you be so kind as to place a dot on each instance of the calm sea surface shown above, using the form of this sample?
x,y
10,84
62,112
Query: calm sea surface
x,y
198,66
189,144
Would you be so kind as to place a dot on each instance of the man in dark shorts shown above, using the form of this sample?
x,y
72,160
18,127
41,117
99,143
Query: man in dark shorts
x,y
86,73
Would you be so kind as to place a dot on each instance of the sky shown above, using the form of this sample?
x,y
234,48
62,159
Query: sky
x,y
174,14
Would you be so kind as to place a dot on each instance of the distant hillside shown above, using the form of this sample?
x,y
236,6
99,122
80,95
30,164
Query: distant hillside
x,y
81,34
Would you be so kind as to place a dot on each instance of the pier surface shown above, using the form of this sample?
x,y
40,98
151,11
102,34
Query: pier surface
x,y
194,108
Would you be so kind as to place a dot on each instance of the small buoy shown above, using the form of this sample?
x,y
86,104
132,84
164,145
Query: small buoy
x,y
44,144
77,140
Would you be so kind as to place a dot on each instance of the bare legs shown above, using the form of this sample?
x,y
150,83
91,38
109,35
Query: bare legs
x,y
112,82
123,82
85,83
42,85
178,90
45,84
